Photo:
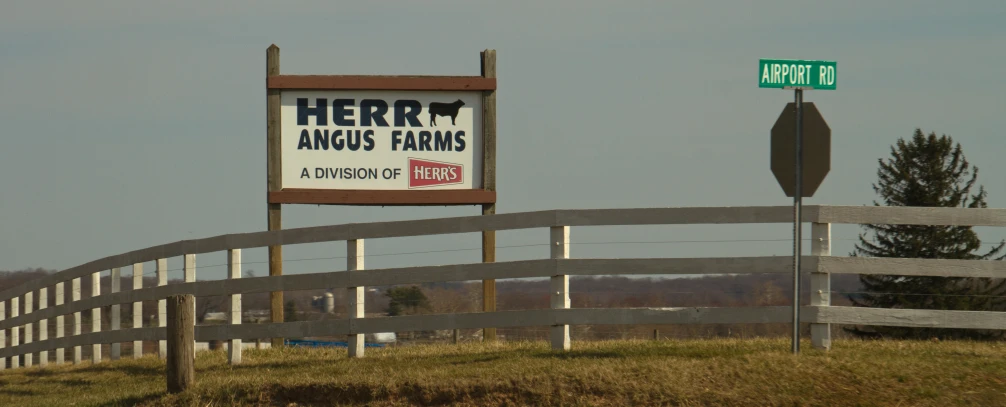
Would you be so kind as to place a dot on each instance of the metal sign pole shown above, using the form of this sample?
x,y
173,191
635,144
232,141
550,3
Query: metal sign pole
x,y
799,75
797,217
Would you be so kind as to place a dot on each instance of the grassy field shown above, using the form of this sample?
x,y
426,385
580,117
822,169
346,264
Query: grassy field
x,y
749,372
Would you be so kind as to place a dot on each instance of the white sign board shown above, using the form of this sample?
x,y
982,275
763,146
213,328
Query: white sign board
x,y
383,140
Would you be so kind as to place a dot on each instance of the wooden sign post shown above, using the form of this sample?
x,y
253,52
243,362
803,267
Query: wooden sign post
x,y
380,140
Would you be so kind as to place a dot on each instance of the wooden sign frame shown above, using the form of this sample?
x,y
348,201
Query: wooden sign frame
x,y
486,195
276,195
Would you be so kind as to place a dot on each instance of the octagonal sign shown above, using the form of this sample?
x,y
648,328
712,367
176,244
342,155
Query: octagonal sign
x,y
816,149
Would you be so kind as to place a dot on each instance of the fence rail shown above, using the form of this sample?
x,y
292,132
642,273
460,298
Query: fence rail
x,y
820,264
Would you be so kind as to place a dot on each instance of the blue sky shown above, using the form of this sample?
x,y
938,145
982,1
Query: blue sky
x,y
128,125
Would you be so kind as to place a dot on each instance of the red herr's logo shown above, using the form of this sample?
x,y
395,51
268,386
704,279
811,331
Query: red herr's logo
x,y
426,173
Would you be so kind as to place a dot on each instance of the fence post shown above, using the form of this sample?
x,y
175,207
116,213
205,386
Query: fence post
x,y
3,333
116,323
820,284
190,277
560,286
43,325
60,320
355,309
234,271
29,298
162,306
15,332
96,316
137,308
181,342
77,321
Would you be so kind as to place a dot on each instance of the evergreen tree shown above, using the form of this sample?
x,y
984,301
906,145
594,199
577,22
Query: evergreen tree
x,y
290,311
409,298
927,171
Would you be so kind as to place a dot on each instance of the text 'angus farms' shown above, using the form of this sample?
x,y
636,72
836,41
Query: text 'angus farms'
x,y
384,140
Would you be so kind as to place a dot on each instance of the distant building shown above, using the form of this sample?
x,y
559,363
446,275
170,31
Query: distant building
x,y
215,317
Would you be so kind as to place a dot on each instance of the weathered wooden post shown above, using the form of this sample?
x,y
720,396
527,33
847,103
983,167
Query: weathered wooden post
x,y
274,182
560,286
95,316
60,322
162,305
43,325
457,336
29,298
820,284
189,269
355,307
116,317
137,308
234,272
488,63
3,333
77,321
181,342
15,332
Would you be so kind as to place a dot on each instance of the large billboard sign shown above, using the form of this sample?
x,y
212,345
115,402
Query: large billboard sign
x,y
381,140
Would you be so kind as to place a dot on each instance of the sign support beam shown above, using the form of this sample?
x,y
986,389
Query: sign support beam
x,y
489,184
274,181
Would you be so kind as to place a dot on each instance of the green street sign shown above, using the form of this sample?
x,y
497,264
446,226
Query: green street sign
x,y
797,74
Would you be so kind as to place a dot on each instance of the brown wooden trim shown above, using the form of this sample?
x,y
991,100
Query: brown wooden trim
x,y
382,197
377,82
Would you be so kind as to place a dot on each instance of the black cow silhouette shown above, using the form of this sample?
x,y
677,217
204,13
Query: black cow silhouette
x,y
444,109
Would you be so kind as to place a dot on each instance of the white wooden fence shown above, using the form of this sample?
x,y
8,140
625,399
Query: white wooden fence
x,y
819,313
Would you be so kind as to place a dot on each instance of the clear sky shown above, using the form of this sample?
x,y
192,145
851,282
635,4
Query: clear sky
x,y
127,125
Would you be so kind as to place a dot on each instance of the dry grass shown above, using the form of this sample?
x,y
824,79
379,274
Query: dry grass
x,y
750,372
